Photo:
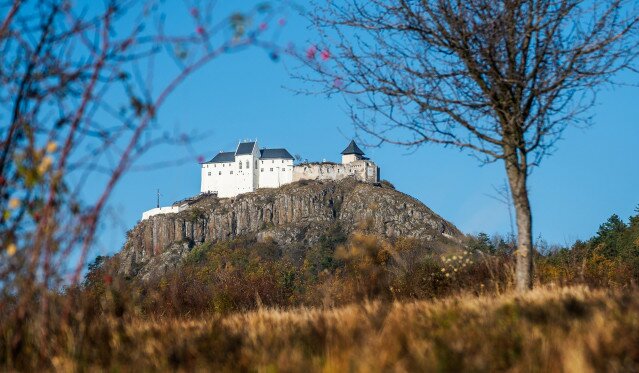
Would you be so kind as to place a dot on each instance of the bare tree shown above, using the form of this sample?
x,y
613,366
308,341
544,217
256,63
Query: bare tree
x,y
501,79
80,97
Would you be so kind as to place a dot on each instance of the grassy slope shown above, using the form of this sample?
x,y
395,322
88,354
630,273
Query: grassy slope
x,y
569,329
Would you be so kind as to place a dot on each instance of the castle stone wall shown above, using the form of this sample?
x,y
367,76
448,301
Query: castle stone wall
x,y
362,170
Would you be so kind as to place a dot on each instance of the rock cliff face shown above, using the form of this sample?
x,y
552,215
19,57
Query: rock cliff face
x,y
297,213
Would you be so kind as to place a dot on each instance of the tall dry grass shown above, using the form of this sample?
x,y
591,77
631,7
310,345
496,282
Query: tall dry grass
x,y
548,330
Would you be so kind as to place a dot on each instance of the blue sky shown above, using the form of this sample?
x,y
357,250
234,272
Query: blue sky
x,y
593,173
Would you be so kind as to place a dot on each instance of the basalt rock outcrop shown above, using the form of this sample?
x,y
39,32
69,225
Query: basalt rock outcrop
x,y
295,214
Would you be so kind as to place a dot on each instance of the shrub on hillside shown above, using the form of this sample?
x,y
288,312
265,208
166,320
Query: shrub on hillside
x,y
611,258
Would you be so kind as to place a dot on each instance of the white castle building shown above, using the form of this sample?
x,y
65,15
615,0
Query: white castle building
x,y
246,169
249,168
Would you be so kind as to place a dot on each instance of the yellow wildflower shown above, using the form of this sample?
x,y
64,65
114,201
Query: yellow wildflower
x,y
52,146
11,249
14,203
45,164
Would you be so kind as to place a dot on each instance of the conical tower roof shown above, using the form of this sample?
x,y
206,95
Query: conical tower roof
x,y
352,148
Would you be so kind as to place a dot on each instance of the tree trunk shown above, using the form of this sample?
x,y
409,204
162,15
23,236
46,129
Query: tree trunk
x,y
517,178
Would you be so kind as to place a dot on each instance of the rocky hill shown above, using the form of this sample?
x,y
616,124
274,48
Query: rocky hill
x,y
295,214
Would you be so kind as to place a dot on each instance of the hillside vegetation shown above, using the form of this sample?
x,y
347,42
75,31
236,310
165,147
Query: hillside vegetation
x,y
610,258
356,302
245,273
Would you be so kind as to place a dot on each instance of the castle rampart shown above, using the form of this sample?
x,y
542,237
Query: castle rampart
x,y
362,170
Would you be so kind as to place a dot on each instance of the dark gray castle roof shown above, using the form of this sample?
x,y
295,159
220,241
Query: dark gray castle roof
x,y
275,154
223,157
245,148
352,148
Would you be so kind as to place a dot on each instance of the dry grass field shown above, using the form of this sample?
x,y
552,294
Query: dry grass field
x,y
548,330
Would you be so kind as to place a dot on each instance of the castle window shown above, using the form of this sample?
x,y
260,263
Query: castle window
x,y
271,169
273,161
209,174
255,164
261,170
220,173
231,172
240,165
247,165
282,161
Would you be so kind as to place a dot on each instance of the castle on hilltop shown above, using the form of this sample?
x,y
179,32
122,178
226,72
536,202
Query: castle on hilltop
x,y
249,168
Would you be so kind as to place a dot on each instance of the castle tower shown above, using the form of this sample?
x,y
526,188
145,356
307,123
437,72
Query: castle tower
x,y
246,173
352,153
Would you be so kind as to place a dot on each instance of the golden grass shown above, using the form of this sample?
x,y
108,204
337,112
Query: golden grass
x,y
548,330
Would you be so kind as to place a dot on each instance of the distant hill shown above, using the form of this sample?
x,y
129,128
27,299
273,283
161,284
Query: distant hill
x,y
293,216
